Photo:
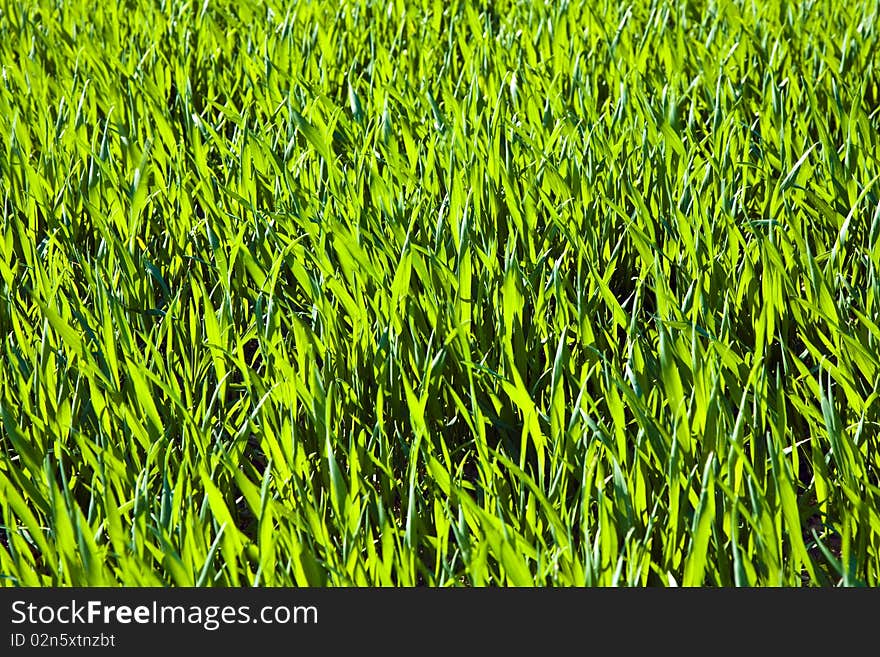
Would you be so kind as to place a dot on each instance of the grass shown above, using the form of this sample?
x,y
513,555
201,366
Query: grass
x,y
467,293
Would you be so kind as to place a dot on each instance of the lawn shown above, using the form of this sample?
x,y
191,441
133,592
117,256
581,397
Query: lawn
x,y
440,293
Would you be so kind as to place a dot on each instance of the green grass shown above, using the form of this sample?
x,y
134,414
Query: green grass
x,y
467,293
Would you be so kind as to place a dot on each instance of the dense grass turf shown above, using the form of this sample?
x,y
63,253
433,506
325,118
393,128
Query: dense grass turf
x,y
447,293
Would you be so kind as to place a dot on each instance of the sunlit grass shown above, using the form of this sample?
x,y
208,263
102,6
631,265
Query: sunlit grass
x,y
466,293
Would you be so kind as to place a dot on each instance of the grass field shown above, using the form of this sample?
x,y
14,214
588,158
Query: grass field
x,y
465,293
